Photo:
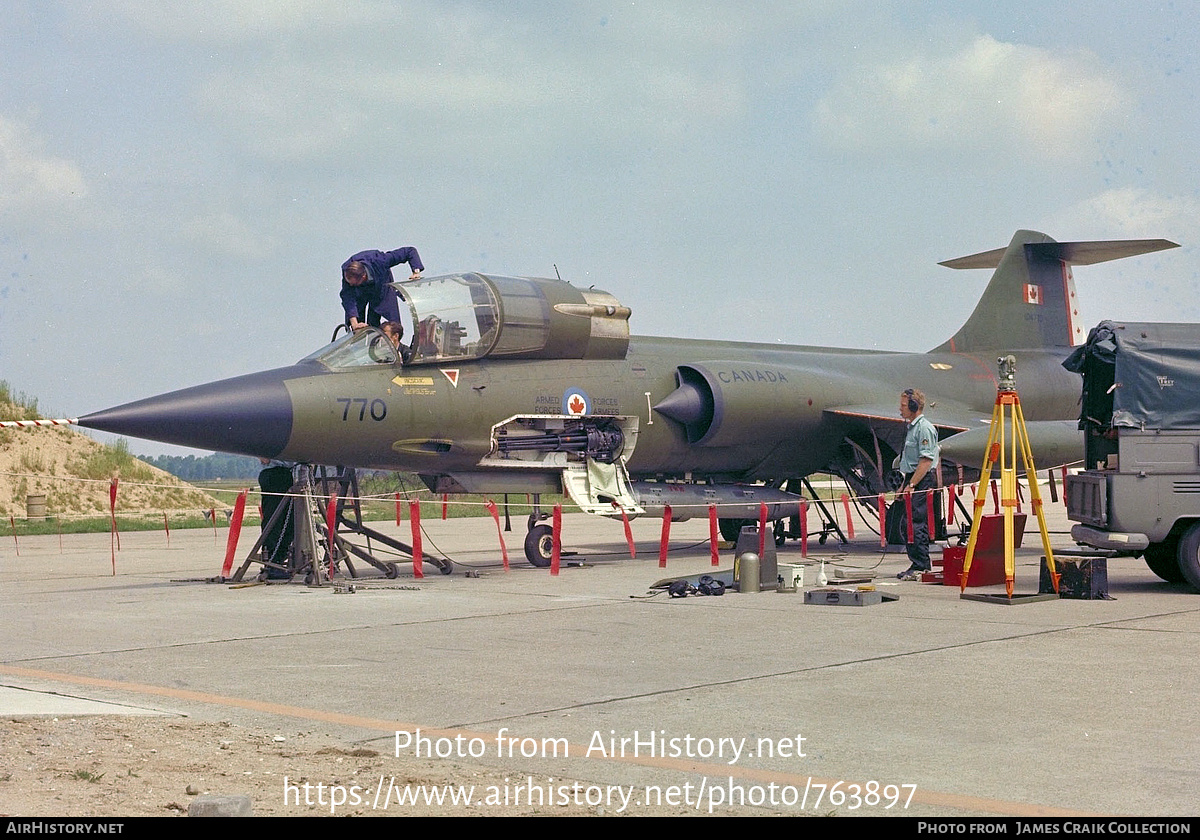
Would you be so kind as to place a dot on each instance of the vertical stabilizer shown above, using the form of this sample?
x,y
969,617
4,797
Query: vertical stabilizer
x,y
1030,301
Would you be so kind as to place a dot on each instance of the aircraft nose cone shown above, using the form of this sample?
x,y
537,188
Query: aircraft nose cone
x,y
248,415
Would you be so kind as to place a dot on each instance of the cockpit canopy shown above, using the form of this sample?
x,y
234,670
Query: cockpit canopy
x,y
460,317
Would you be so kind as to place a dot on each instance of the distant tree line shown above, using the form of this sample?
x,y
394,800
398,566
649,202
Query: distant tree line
x,y
208,468
221,465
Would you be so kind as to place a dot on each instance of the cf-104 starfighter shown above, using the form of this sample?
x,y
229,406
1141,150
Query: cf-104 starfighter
x,y
531,385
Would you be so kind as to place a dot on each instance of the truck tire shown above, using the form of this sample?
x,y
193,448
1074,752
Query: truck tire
x,y
1189,555
1163,560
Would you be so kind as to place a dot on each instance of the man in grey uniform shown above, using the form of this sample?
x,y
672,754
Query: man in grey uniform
x,y
917,462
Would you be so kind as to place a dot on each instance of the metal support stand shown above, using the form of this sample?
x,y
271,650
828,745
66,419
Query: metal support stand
x,y
829,522
1004,452
310,553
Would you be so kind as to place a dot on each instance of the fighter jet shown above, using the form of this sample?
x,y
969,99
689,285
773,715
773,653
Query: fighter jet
x,y
532,385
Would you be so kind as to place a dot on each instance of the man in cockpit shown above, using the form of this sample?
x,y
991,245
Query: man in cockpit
x,y
367,293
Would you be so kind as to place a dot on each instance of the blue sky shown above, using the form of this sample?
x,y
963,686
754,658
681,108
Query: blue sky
x,y
180,182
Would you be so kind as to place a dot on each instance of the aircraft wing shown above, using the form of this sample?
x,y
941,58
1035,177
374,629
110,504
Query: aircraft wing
x,y
947,417
964,432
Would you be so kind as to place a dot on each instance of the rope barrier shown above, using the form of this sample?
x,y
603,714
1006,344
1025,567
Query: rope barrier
x,y
489,505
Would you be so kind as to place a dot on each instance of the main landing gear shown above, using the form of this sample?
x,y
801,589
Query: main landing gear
x,y
539,539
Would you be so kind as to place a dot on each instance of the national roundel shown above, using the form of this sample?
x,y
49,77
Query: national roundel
x,y
575,402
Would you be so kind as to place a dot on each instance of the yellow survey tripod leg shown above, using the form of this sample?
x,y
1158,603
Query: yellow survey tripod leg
x,y
1003,451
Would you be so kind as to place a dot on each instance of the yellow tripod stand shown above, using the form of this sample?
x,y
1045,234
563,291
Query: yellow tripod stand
x,y
1002,450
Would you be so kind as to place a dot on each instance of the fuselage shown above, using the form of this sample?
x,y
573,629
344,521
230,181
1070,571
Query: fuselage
x,y
773,404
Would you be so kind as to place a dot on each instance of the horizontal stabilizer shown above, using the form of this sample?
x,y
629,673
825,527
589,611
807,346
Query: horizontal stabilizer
x,y
1076,253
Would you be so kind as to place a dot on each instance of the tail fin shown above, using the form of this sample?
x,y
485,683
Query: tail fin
x,y
1030,301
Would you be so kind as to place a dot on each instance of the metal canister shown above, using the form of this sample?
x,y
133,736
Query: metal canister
x,y
746,572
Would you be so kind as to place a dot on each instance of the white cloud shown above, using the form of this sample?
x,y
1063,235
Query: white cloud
x,y
1154,287
988,94
1132,212
31,178
513,100
235,20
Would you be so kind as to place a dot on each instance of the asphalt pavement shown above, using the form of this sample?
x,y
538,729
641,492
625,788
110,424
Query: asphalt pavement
x,y
931,703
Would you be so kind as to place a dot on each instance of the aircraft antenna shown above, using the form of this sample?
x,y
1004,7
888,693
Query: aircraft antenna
x,y
556,274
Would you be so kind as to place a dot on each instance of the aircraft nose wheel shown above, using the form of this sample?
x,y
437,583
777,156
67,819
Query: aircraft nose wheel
x,y
539,545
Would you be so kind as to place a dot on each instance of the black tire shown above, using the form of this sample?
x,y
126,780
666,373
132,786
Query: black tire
x,y
1163,560
1189,556
391,571
780,533
731,529
539,545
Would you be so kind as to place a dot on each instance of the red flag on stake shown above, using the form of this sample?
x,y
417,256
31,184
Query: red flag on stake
x,y
414,518
762,528
666,537
713,535
882,521
950,507
397,510
849,518
115,538
930,515
167,526
556,540
804,527
331,528
235,531
628,531
444,507
491,506
13,524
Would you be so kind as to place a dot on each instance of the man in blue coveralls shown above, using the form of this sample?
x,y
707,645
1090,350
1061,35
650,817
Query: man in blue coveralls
x,y
367,291
917,462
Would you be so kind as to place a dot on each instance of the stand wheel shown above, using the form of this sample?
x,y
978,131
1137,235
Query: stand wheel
x,y
780,533
539,545
390,571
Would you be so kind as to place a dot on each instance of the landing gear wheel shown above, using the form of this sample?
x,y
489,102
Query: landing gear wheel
x,y
1163,560
780,533
1189,555
732,528
390,571
539,545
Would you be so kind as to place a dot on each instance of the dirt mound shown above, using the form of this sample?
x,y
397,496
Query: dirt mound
x,y
74,472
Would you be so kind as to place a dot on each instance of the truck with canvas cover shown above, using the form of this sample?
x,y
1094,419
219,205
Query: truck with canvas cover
x,y
1139,493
